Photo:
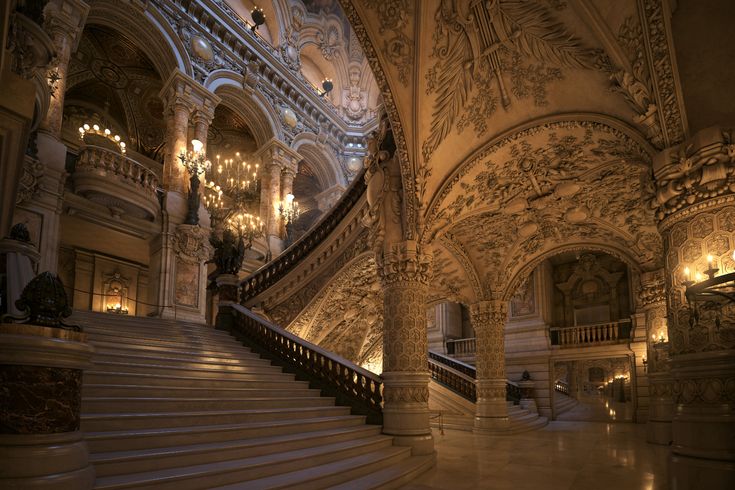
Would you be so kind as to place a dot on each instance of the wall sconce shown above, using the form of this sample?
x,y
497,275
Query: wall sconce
x,y
327,86
258,18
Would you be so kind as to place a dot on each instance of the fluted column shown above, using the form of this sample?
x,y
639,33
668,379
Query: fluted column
x,y
488,320
405,271
695,191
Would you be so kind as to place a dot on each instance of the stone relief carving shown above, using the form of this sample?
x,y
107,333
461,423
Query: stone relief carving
x,y
191,243
479,44
29,185
523,302
398,47
567,179
328,42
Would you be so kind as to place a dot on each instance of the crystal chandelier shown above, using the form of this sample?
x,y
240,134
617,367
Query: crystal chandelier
x,y
247,226
289,209
237,179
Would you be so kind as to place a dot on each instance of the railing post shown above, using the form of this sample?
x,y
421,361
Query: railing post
x,y
227,289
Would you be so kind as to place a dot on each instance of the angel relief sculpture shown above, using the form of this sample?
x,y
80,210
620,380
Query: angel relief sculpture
x,y
485,44
383,179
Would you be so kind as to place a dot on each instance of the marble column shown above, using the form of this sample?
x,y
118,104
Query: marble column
x,y
177,111
274,198
64,21
488,320
695,194
652,300
405,271
202,117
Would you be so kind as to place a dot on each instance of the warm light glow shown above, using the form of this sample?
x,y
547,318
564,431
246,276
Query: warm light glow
x,y
196,145
289,198
710,260
687,273
698,277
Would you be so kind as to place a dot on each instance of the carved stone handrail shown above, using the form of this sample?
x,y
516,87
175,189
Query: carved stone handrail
x,y
350,384
595,334
561,387
274,271
462,346
461,378
97,158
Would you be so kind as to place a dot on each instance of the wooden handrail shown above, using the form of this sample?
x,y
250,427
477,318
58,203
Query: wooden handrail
x,y
275,270
350,384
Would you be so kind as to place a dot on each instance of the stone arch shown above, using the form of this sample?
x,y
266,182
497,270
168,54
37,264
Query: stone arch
x,y
609,248
148,29
325,164
262,118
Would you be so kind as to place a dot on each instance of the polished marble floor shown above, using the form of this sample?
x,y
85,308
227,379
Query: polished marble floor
x,y
562,455
593,408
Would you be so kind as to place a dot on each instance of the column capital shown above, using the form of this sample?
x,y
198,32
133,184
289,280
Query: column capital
x,y
181,89
489,313
406,262
67,18
695,175
277,152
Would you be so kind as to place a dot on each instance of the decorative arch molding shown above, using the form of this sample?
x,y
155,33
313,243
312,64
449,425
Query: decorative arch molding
x,y
411,188
457,251
324,163
609,248
148,29
612,125
262,118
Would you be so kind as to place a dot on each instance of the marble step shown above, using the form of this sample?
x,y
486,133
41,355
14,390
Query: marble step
x,y
122,377
121,421
146,391
236,352
393,476
344,471
201,334
242,470
190,343
132,319
115,345
231,372
193,361
120,462
158,437
101,405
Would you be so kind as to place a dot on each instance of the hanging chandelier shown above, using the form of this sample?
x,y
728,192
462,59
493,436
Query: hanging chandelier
x,y
95,129
237,179
247,226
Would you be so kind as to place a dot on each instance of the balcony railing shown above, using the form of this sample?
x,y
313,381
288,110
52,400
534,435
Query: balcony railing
x,y
561,387
274,271
461,347
351,385
460,378
596,334
127,169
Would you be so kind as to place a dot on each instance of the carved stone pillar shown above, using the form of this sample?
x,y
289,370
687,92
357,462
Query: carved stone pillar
x,y
405,270
64,21
488,320
660,406
695,191
277,159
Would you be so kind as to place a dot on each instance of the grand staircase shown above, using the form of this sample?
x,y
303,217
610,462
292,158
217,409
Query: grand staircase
x,y
174,405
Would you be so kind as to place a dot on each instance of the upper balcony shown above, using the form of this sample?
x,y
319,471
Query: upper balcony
x,y
117,182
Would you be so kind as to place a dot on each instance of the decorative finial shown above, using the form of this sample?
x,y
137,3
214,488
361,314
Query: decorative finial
x,y
45,303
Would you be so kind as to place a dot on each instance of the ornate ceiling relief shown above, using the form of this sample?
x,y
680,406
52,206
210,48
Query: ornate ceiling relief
x,y
489,51
346,317
543,187
398,47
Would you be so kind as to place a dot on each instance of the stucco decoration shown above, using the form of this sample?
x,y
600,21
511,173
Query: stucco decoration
x,y
544,186
346,317
487,51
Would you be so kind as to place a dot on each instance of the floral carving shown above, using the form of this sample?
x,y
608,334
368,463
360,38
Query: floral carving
x,y
476,43
393,16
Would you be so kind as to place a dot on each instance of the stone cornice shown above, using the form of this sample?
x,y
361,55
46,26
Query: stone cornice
x,y
231,37
182,86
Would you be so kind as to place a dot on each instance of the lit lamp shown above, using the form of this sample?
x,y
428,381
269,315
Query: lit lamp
x,y
645,364
196,163
289,211
711,294
247,226
95,129
258,18
327,86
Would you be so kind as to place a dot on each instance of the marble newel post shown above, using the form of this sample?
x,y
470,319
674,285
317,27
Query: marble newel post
x,y
660,409
695,190
405,273
488,320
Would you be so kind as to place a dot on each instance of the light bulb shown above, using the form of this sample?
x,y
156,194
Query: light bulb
x,y
196,145
86,127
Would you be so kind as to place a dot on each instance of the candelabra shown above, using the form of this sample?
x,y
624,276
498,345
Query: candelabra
x,y
237,179
95,129
714,294
247,226
196,163
289,211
